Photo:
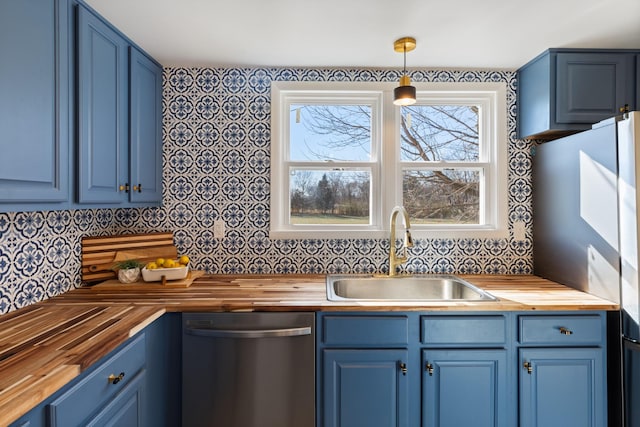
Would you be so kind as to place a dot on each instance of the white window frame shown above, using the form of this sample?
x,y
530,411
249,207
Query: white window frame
x,y
386,167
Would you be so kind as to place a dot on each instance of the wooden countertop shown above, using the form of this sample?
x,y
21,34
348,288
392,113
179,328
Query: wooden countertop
x,y
308,293
44,346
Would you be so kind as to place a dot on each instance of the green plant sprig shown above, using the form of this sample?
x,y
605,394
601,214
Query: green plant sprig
x,y
127,264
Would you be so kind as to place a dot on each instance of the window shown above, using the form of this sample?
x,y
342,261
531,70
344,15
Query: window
x,y
342,155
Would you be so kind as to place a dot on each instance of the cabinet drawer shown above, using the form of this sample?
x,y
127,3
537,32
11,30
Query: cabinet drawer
x,y
365,331
561,330
467,330
91,393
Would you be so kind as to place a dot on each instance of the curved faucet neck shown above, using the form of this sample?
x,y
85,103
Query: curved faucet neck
x,y
394,260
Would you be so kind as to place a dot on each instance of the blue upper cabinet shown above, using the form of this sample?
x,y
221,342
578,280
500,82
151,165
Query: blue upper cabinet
x,y
80,111
34,101
120,118
564,91
145,107
103,111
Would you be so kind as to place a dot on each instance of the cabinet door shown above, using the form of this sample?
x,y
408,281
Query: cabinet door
x,y
562,387
364,388
34,100
102,87
125,409
464,387
145,139
592,87
92,392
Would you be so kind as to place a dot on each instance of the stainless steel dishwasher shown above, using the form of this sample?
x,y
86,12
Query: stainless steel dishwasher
x,y
248,369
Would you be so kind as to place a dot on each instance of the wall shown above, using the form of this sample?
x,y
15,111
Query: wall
x,y
216,165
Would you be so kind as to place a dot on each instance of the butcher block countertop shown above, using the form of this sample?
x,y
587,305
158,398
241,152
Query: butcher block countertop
x,y
46,345
308,293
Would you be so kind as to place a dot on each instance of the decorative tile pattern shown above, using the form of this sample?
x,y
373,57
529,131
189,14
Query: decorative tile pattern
x,y
40,252
216,127
229,162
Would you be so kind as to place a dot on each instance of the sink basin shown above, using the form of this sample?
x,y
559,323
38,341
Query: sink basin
x,y
403,288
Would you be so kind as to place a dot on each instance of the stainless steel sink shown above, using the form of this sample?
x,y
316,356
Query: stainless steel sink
x,y
403,288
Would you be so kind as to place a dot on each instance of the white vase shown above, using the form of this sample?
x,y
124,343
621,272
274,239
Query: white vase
x,y
129,276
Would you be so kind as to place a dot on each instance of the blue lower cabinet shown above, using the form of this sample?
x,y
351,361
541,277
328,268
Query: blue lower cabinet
x,y
465,387
88,398
563,387
126,408
138,384
365,388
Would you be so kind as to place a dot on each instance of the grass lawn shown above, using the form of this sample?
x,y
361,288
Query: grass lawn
x,y
328,219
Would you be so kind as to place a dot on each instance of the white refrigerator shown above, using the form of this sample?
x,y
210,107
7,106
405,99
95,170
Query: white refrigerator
x,y
586,195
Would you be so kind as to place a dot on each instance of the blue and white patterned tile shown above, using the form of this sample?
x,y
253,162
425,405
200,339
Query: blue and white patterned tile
x,y
104,219
29,258
6,226
30,292
59,252
233,243
83,220
184,242
60,222
181,216
30,225
207,107
180,80
233,134
6,262
260,81
126,218
259,266
234,80
59,283
179,133
259,135
207,80
205,243
216,129
233,188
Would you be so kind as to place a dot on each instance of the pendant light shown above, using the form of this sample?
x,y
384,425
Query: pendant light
x,y
405,94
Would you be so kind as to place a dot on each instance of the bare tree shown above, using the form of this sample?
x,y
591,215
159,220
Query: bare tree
x,y
428,133
301,191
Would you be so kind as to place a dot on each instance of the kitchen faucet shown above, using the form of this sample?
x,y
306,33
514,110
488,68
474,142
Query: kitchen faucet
x,y
395,260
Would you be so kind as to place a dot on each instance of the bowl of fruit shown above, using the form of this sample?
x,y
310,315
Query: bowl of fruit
x,y
170,269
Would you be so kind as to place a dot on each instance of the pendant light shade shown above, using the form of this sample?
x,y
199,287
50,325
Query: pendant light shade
x,y
405,94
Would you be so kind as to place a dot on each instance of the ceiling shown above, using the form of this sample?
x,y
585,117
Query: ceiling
x,y
495,34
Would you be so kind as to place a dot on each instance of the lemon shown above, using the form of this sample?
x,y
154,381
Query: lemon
x,y
184,260
168,263
152,266
160,262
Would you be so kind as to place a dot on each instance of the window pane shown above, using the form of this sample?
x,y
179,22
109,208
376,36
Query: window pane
x,y
330,132
442,196
439,133
329,197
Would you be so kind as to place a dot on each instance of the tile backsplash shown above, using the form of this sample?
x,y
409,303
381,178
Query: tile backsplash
x,y
216,124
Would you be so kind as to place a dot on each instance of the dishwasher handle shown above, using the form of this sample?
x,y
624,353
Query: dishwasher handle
x,y
249,333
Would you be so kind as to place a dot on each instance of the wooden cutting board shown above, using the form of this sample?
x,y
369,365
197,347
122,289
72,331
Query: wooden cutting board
x,y
101,252
115,285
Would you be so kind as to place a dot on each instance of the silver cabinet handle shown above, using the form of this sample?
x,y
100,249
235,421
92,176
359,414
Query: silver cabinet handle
x,y
249,333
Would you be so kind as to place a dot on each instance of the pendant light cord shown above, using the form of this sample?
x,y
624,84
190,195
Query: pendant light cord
x,y
404,65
